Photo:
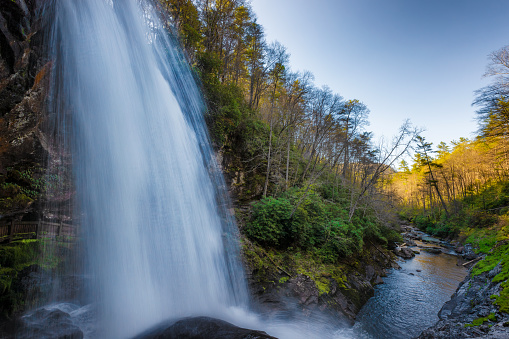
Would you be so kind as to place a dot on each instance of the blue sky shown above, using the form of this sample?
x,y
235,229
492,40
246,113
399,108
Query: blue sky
x,y
416,59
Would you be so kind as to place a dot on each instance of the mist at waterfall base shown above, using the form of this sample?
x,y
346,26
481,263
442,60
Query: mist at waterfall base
x,y
150,199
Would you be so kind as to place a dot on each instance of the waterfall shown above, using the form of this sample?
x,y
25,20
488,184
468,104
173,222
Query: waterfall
x,y
150,198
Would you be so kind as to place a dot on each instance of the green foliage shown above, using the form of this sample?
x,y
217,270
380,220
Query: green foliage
x,y
423,222
493,197
483,240
13,259
232,124
499,255
319,226
334,193
283,280
450,226
480,321
270,223
186,15
482,219
20,187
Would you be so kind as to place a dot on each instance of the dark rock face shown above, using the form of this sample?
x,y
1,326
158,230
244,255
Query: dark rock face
x,y
303,289
20,50
202,328
470,302
468,252
23,88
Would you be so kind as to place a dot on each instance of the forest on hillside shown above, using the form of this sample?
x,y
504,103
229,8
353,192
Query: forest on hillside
x,y
302,155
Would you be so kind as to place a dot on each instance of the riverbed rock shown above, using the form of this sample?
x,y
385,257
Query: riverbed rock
x,y
469,253
404,252
434,250
413,234
410,242
201,328
471,301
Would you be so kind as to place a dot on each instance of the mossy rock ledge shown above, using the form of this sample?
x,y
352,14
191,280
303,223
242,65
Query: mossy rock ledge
x,y
285,282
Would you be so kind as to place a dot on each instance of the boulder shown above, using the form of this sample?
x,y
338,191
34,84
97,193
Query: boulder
x,y
405,253
459,249
433,250
410,242
201,328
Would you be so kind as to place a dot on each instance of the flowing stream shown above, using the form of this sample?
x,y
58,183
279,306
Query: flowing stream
x,y
410,298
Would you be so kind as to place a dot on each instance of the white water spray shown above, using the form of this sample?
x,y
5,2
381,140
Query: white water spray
x,y
156,230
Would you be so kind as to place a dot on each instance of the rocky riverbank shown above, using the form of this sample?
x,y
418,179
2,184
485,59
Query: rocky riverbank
x,y
292,283
471,313
477,309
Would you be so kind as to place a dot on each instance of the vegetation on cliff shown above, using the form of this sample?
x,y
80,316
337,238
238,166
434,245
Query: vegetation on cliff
x,y
25,265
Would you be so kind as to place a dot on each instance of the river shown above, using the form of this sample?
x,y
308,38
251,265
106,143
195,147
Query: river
x,y
410,298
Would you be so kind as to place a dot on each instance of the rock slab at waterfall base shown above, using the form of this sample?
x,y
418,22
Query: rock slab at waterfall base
x,y
202,328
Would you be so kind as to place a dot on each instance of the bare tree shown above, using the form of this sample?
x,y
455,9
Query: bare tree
x,y
277,59
387,155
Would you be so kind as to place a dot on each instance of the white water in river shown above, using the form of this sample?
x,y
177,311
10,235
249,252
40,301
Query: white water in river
x,y
158,238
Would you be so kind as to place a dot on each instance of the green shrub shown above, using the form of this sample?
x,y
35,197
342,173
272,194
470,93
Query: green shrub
x,y
318,225
270,222
423,222
341,239
481,219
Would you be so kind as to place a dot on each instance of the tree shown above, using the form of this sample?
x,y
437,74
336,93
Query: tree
x,y
278,57
425,150
403,166
255,55
380,161
493,111
185,17
353,118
